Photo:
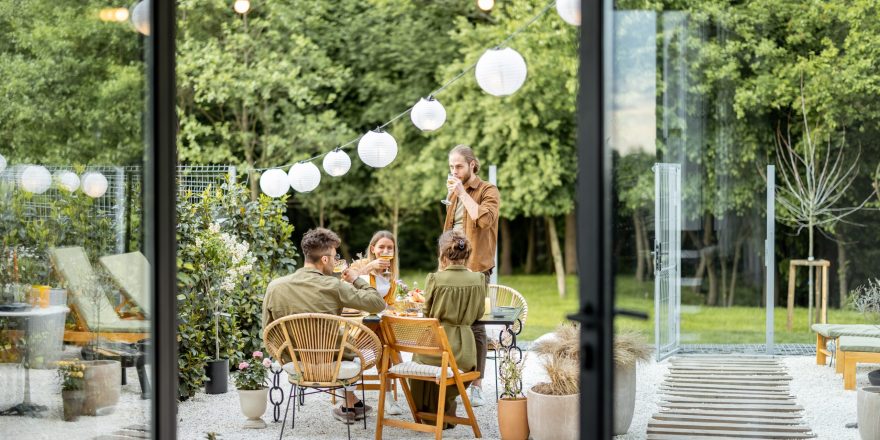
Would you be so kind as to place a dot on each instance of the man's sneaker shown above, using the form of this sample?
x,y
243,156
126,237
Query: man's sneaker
x,y
342,414
476,397
391,407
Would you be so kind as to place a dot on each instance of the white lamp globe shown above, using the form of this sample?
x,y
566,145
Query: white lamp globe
x,y
35,179
67,180
304,177
377,149
2,163
501,72
486,5
570,11
428,114
241,6
94,184
274,183
337,163
140,17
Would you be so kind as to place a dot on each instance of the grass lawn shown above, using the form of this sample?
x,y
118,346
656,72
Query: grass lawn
x,y
699,324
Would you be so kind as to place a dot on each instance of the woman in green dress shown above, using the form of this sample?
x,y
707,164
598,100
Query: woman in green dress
x,y
456,297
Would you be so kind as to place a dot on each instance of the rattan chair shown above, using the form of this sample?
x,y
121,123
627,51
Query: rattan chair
x,y
313,347
510,297
422,336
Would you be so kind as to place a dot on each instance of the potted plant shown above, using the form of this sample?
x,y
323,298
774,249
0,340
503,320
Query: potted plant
x,y
72,376
866,299
630,348
225,261
513,422
553,406
252,391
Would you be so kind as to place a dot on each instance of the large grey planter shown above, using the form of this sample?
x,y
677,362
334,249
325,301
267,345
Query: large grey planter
x,y
624,398
868,405
553,417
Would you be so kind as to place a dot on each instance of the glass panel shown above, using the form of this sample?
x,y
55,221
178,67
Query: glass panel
x,y
74,283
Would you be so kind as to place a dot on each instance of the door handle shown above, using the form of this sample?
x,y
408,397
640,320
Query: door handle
x,y
631,314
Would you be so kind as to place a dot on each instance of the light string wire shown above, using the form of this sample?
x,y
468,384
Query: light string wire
x,y
440,89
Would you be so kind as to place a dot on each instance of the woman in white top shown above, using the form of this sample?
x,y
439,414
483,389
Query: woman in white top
x,y
371,269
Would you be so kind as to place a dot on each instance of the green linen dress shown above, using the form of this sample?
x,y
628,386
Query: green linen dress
x,y
456,297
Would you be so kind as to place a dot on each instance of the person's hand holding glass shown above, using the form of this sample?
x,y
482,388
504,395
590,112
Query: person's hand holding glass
x,y
450,180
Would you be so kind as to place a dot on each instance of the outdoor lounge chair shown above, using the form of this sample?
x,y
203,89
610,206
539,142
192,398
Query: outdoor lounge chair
x,y
853,350
131,273
95,316
831,332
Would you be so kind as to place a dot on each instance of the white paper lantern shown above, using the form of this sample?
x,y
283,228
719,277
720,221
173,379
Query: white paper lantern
x,y
486,5
377,149
337,163
67,180
2,163
35,179
501,72
304,177
140,17
428,114
94,184
241,6
570,11
274,183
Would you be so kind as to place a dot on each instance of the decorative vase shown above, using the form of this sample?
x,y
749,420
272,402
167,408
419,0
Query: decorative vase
x,y
73,404
102,382
513,421
253,406
553,417
868,405
624,398
218,376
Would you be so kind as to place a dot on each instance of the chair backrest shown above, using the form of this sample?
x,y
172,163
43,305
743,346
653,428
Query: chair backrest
x,y
83,289
317,342
417,335
131,272
508,296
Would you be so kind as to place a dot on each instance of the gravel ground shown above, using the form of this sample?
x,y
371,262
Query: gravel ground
x,y
827,408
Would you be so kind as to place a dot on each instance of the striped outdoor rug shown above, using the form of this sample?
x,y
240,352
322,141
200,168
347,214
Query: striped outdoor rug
x,y
712,397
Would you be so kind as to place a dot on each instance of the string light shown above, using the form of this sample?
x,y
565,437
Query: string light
x,y
241,6
486,5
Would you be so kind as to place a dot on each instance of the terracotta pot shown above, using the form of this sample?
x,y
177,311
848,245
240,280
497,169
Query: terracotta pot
x,y
101,384
218,376
868,405
73,404
253,405
553,417
624,398
513,421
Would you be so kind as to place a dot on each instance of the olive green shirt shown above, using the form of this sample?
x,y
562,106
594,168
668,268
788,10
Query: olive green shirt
x,y
309,291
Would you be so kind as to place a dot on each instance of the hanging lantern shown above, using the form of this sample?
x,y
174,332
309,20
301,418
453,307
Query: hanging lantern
x,y
304,177
377,149
486,5
274,183
241,6
428,114
94,184
2,163
140,17
570,11
35,179
337,163
501,72
67,180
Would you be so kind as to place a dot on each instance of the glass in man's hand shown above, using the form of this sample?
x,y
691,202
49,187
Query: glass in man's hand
x,y
450,179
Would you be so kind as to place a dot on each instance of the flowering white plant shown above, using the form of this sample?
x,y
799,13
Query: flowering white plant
x,y
226,262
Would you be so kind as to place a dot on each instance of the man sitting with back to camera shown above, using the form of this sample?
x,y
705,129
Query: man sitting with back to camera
x,y
314,289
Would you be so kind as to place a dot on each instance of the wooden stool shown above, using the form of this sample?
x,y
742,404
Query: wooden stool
x,y
821,280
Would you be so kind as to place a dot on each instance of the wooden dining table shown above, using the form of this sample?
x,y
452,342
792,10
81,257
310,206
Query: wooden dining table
x,y
499,316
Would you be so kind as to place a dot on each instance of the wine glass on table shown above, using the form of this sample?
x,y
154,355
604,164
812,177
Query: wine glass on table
x,y
450,178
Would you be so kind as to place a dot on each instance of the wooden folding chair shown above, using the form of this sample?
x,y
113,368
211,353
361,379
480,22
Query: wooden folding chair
x,y
313,345
422,336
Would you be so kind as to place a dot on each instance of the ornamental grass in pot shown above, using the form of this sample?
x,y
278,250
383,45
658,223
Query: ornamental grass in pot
x,y
553,406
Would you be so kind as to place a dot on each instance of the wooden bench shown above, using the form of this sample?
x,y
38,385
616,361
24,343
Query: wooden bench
x,y
831,332
853,350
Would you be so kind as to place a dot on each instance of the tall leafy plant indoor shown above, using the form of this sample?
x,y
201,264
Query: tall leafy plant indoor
x,y
263,224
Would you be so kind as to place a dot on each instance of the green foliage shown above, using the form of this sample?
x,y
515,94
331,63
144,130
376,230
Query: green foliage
x,y
263,225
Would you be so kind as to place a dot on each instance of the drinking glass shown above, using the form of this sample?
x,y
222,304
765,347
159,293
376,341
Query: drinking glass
x,y
339,267
449,179
387,256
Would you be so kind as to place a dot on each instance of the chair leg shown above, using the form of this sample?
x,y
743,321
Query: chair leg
x,y
441,408
364,400
284,421
380,413
468,408
293,419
